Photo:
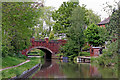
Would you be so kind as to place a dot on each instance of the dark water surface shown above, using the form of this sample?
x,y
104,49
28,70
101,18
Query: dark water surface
x,y
64,69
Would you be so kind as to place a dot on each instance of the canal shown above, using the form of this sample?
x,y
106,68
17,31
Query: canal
x,y
64,69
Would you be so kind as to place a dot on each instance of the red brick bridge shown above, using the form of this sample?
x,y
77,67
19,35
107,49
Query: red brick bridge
x,y
49,47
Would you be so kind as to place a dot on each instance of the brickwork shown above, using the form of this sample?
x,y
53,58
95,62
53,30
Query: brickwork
x,y
95,51
51,46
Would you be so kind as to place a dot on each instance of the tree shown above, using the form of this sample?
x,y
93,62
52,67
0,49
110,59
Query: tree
x,y
92,17
94,35
51,35
75,35
44,28
62,17
110,55
113,12
113,27
18,19
48,17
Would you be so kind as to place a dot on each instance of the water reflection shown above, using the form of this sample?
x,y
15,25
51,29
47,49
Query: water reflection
x,y
94,72
50,69
65,69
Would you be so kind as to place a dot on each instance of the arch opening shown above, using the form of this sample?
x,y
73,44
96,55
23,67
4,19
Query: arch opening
x,y
48,52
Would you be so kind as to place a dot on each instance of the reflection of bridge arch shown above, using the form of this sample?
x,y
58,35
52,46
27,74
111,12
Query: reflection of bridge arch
x,y
49,69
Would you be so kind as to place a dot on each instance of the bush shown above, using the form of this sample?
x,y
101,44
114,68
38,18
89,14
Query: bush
x,y
60,54
71,57
93,59
94,35
4,51
109,55
51,35
84,53
101,60
86,47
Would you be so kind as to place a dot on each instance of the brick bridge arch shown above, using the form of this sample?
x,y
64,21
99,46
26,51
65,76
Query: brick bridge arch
x,y
47,51
49,47
39,47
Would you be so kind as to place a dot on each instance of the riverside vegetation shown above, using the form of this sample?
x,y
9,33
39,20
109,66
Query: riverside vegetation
x,y
18,26
17,71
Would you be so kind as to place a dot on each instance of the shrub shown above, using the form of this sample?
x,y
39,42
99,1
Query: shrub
x,y
84,53
94,35
93,59
109,55
86,47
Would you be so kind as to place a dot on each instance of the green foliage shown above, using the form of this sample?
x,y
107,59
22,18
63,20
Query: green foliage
x,y
94,35
59,54
92,17
51,36
75,35
11,61
69,49
36,52
18,19
113,27
41,32
47,17
109,55
86,47
33,53
93,60
84,54
62,16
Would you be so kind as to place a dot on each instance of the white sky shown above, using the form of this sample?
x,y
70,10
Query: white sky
x,y
96,5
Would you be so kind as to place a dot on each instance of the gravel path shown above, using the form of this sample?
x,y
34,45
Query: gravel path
x,y
15,66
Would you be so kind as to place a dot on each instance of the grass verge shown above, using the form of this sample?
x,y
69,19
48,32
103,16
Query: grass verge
x,y
17,71
11,61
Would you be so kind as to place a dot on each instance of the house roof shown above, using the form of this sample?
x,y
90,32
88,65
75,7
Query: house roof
x,y
105,21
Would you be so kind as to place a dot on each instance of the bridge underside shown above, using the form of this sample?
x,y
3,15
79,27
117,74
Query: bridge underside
x,y
48,54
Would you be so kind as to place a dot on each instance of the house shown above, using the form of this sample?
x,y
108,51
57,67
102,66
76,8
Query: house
x,y
104,22
96,51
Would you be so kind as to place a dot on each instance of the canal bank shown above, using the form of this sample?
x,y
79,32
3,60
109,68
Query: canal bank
x,y
17,71
15,65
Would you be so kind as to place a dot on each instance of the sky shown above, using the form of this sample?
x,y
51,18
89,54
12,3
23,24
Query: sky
x,y
96,5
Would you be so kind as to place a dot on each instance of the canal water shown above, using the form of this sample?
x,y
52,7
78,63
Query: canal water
x,y
64,69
